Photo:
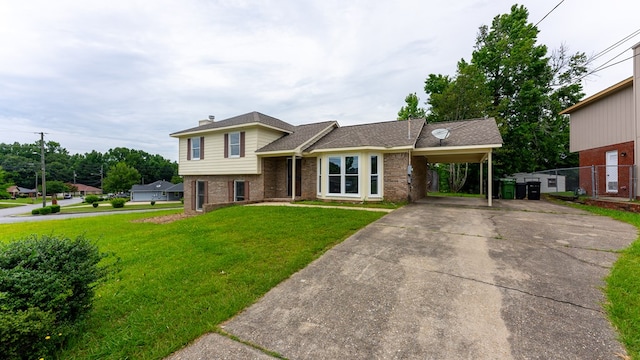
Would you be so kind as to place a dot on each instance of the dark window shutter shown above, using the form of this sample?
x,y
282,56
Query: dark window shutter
x,y
246,191
226,145
242,144
231,199
193,195
189,149
201,147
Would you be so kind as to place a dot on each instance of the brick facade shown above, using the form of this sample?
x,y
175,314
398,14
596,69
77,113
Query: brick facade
x,y
396,186
218,191
597,157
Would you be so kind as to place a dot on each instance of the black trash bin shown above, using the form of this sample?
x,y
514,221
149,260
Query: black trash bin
x,y
533,190
495,189
521,190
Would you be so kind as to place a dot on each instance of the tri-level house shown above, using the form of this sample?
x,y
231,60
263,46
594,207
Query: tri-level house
x,y
256,157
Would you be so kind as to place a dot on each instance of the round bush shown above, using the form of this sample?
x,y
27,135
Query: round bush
x,y
45,210
118,202
35,212
47,285
55,209
90,199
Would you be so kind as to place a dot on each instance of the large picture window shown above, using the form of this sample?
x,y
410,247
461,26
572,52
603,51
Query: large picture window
x,y
344,175
234,144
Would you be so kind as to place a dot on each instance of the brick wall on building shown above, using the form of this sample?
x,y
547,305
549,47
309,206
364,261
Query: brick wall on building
x,y
309,178
396,187
218,189
419,178
597,157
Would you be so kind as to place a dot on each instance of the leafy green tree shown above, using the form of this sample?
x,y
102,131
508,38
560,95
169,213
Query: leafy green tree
x,y
56,187
412,110
465,96
512,78
120,178
3,185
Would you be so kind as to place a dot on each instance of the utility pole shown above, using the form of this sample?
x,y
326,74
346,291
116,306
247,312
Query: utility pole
x,y
44,182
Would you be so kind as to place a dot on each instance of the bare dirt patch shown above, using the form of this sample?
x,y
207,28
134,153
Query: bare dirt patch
x,y
164,219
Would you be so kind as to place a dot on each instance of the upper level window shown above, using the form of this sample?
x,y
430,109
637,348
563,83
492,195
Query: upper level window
x,y
234,144
195,148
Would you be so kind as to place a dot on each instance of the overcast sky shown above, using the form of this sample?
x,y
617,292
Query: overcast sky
x,y
97,75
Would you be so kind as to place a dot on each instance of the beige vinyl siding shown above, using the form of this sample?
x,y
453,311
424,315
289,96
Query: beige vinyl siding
x,y
214,162
605,122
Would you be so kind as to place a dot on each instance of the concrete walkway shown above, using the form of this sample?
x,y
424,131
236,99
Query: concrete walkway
x,y
446,278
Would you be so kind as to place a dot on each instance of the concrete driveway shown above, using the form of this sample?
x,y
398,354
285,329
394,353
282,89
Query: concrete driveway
x,y
446,278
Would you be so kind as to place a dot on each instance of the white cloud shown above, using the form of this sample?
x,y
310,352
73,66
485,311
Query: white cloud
x,y
97,75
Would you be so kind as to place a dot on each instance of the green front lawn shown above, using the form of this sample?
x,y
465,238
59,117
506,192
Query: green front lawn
x,y
180,280
623,285
106,206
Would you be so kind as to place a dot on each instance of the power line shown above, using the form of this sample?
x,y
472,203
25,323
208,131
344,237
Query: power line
x,y
615,45
544,17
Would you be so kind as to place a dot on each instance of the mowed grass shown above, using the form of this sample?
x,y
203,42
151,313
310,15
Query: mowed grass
x,y
180,280
623,285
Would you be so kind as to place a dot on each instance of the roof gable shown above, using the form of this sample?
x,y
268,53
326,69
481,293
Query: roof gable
x,y
245,119
160,185
599,96
390,134
300,137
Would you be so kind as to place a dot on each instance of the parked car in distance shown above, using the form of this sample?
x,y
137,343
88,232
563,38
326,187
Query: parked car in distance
x,y
67,196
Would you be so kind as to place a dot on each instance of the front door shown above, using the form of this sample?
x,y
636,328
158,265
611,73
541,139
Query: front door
x,y
298,177
612,172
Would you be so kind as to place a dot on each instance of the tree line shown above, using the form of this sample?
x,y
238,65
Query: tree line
x,y
517,81
21,165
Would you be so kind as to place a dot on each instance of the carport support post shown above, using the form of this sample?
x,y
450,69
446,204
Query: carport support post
x,y
481,171
489,178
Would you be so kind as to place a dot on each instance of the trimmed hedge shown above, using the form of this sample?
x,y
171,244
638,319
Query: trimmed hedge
x,y
45,210
90,199
35,212
118,202
55,209
46,287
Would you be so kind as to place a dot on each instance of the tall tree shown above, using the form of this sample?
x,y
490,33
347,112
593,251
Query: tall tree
x,y
465,96
521,80
412,110
120,178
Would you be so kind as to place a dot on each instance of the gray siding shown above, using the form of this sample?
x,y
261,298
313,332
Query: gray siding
x,y
607,121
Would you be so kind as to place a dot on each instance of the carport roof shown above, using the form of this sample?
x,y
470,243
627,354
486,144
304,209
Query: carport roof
x,y
468,141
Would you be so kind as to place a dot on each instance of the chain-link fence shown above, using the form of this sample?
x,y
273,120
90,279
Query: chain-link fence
x,y
596,181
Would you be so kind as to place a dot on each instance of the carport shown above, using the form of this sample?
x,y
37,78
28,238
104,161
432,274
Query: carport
x,y
468,141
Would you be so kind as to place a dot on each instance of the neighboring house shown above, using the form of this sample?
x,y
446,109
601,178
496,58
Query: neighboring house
x,y
17,191
84,190
256,157
605,130
157,191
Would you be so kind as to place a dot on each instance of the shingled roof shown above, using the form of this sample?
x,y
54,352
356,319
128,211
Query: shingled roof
x,y
249,118
462,133
380,135
299,137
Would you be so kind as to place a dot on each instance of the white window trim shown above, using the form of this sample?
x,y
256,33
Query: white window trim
x,y
193,140
371,175
319,171
235,190
343,175
231,144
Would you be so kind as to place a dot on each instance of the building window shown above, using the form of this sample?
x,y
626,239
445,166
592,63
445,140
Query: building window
x,y
344,179
195,148
374,183
234,144
552,182
238,191
200,194
319,175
